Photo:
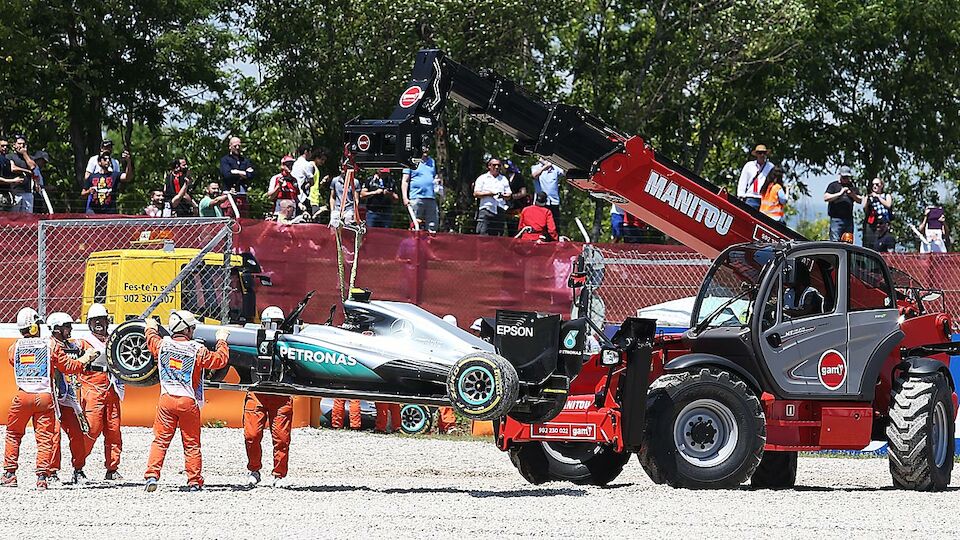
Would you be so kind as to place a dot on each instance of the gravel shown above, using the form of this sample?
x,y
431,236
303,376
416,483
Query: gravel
x,y
355,485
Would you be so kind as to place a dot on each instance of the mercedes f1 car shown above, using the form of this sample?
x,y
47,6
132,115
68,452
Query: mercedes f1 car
x,y
391,352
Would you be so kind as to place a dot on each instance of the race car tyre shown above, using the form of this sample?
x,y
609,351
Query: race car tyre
x,y
540,412
531,461
777,470
482,386
127,356
415,419
583,463
920,432
703,429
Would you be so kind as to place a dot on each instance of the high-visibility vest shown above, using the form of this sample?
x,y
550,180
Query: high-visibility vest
x,y
178,361
770,202
31,365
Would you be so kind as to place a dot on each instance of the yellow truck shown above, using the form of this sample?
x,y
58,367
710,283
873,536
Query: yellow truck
x,y
127,281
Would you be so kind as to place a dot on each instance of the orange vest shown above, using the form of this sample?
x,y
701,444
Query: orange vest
x,y
770,202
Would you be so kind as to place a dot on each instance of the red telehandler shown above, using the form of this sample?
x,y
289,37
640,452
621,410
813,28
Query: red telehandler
x,y
793,345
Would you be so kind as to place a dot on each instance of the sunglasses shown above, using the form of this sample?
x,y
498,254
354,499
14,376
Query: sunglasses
x,y
493,165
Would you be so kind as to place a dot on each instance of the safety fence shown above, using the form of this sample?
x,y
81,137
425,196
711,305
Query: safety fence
x,y
54,265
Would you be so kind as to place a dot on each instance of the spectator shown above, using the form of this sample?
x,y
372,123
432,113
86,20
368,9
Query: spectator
x,y
634,229
877,209
493,190
102,187
539,220
284,185
546,178
616,223
210,203
752,176
774,195
286,215
934,228
417,189
106,145
157,204
21,167
41,159
885,240
7,179
519,197
177,189
349,206
304,170
379,193
319,159
237,172
840,196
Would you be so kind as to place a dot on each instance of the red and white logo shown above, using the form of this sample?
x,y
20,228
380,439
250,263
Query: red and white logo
x,y
411,96
563,431
363,142
832,370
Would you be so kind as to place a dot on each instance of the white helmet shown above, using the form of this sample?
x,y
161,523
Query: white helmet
x,y
97,310
181,320
271,313
450,319
58,319
27,317
476,325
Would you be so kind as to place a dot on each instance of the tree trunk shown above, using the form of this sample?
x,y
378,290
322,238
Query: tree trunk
x,y
598,207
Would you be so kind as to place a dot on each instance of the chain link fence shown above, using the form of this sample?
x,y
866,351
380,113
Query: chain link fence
x,y
132,266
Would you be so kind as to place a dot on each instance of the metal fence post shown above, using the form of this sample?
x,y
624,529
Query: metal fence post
x,y
41,270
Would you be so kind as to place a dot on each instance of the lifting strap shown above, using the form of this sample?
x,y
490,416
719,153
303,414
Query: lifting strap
x,y
348,171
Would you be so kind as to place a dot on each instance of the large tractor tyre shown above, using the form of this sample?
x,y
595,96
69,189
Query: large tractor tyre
x,y
777,470
920,432
541,412
128,358
483,386
531,461
415,419
583,463
704,429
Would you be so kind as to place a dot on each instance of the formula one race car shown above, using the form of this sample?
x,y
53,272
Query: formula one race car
x,y
391,352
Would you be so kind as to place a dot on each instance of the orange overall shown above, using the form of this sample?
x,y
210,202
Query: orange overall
x,y
101,405
393,409
70,424
336,414
260,411
447,420
34,400
181,362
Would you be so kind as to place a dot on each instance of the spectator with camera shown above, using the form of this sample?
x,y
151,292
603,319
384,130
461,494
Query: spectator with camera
x,y
379,194
546,178
284,186
877,209
840,196
236,174
493,190
212,201
103,186
106,146
417,188
177,189
18,177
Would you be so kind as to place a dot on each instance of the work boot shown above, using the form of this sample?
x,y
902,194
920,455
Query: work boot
x,y
151,485
42,482
113,476
9,479
194,487
79,478
253,478
53,480
277,482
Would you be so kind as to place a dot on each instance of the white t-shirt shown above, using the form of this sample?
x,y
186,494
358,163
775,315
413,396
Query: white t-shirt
x,y
746,187
496,184
616,210
92,164
303,171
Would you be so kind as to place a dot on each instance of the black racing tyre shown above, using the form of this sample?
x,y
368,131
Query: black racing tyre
x,y
920,432
415,419
482,386
540,412
127,356
583,463
531,461
703,429
777,470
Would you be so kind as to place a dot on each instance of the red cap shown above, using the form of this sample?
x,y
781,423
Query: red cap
x,y
287,158
384,170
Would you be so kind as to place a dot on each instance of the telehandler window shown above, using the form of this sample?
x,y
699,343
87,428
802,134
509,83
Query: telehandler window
x,y
868,285
810,286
